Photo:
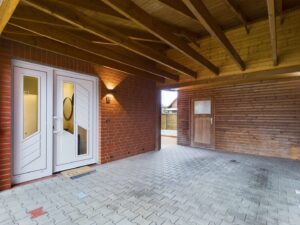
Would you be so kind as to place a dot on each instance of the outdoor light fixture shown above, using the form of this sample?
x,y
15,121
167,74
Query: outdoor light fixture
x,y
109,94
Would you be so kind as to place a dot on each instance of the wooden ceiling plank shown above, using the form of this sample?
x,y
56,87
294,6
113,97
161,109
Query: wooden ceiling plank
x,y
115,19
93,5
80,43
87,24
102,16
160,30
235,8
48,23
9,29
180,7
272,26
62,49
206,19
7,8
280,10
27,13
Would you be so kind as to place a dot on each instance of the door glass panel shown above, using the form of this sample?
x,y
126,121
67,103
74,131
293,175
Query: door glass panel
x,y
202,107
30,105
68,107
82,141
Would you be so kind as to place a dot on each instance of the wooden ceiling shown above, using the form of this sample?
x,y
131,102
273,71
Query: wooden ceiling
x,y
137,36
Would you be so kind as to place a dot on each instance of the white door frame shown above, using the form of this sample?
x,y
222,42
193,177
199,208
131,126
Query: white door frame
x,y
51,71
49,110
95,119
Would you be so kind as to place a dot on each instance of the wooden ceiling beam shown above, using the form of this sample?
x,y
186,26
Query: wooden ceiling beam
x,y
276,73
206,19
272,26
235,8
132,34
7,8
27,13
103,16
9,29
76,19
116,19
160,30
80,43
62,49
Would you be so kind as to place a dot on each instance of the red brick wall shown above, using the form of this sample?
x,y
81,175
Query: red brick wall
x,y
128,122
261,118
130,126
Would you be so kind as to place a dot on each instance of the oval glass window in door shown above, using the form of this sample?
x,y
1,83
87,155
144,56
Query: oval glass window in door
x,y
68,107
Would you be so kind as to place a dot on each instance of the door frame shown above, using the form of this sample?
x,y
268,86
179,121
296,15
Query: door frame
x,y
49,110
50,70
213,130
95,110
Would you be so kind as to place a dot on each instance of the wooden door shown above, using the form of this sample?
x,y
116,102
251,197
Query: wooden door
x,y
202,127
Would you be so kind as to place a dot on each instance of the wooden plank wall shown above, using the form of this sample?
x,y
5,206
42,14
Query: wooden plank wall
x,y
261,118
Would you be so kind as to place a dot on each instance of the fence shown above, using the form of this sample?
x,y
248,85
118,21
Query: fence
x,y
169,121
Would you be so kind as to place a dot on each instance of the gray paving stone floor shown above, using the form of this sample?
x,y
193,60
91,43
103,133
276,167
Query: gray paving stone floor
x,y
177,185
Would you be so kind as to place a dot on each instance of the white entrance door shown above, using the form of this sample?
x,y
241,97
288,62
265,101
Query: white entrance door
x,y
75,121
32,139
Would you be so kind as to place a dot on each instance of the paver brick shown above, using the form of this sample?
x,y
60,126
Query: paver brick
x,y
177,185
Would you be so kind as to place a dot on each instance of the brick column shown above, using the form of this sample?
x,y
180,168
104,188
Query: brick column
x,y
5,119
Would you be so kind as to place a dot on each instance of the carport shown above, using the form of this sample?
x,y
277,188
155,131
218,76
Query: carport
x,y
80,85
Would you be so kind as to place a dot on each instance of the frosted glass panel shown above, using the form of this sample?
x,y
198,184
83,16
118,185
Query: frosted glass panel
x,y
202,107
30,105
82,141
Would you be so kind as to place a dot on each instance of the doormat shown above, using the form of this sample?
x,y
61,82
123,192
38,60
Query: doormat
x,y
37,212
78,172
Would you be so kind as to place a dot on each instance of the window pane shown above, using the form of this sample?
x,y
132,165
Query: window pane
x,y
202,107
68,107
82,141
30,105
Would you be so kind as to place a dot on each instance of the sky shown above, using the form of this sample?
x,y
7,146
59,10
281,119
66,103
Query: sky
x,y
167,97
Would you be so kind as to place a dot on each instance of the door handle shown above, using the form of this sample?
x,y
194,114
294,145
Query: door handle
x,y
58,131
211,120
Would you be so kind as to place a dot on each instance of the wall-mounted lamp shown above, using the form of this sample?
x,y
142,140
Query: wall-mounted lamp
x,y
109,94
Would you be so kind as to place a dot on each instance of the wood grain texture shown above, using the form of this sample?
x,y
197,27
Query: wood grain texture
x,y
89,25
235,8
207,20
160,30
254,48
65,50
202,130
261,118
272,25
80,43
7,8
